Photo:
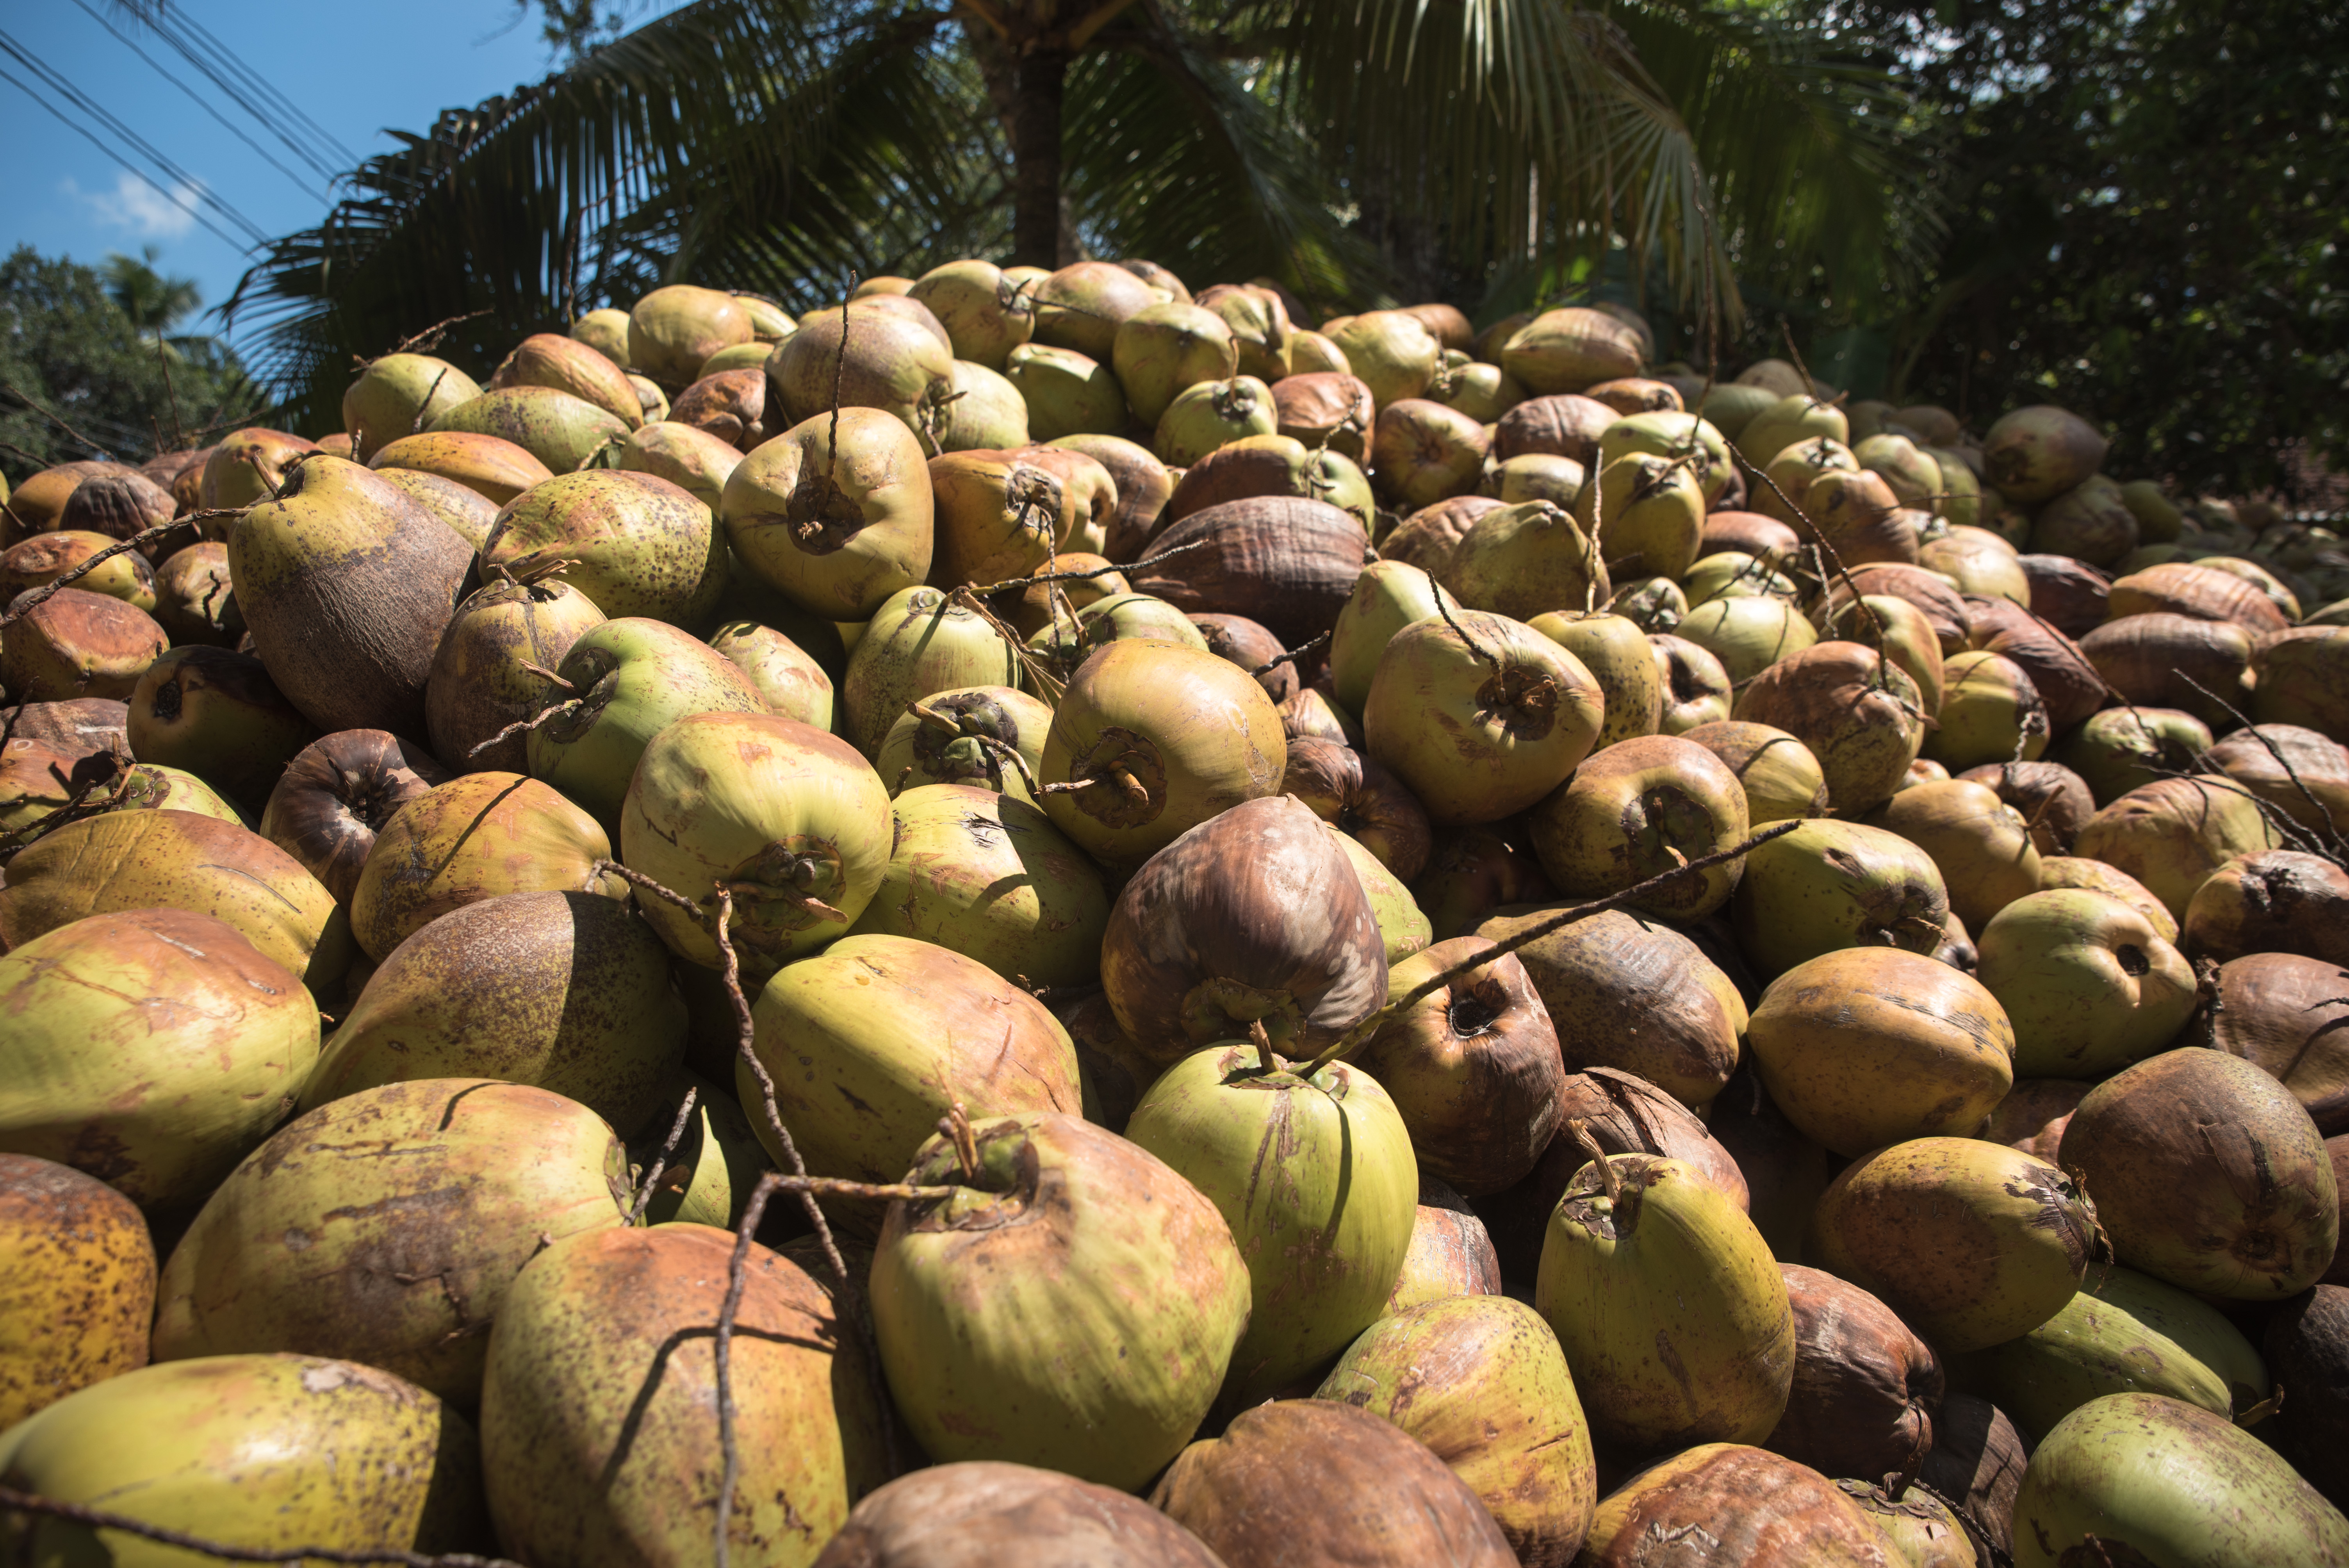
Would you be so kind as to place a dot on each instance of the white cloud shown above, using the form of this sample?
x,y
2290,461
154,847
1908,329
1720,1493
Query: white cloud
x,y
140,206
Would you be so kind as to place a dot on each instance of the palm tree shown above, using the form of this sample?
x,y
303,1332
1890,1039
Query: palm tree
x,y
1342,147
154,302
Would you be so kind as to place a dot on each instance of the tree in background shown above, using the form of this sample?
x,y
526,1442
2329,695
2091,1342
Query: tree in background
x,y
2148,215
154,302
68,343
1356,151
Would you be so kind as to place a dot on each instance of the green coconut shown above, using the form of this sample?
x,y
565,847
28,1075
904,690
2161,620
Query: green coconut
x,y
1746,633
568,991
1315,1178
1067,393
1525,561
1856,710
567,364
1480,1379
606,332
631,678
896,364
1210,414
399,394
981,410
1732,573
838,537
919,644
1072,1304
42,558
125,861
153,1048
1404,928
952,748
993,880
1666,1298
985,315
1779,775
674,328
1789,421
708,1177
390,1224
1834,884
2089,982
1162,350
1617,654
597,1442
691,460
269,1453
1387,596
2124,1333
2139,1478
792,685
787,818
1646,515
1989,712
561,431
872,1041
1635,810
493,469
1971,1243
2035,454
1569,349
641,546
2117,750
194,600
2174,834
1164,737
1392,353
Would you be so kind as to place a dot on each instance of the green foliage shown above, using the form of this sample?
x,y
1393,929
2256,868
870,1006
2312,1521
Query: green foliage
x,y
153,303
67,343
2148,206
1359,151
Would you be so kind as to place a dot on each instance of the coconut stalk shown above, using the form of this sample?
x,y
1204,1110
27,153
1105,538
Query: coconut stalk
x,y
41,595
14,1502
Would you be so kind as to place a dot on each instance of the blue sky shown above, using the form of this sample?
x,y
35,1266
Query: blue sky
x,y
353,68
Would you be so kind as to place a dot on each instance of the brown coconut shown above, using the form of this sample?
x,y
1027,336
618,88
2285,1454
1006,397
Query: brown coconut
x,y
1865,1388
2279,900
1751,1506
2069,594
982,1513
2289,1015
1451,1251
1287,562
337,793
1361,800
2167,660
2032,1115
2054,800
1977,1463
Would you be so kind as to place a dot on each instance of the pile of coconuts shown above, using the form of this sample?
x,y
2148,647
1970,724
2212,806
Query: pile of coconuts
x,y
1380,944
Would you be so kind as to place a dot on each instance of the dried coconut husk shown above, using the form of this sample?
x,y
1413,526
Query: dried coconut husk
x,y
1361,800
1866,1387
2053,799
2067,681
2289,1015
1250,645
2070,594
336,793
2279,900
1286,561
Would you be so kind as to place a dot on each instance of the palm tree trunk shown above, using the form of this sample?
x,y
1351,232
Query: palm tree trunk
x,y
1036,156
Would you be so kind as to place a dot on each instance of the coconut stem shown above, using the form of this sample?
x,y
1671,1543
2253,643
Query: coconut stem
x,y
550,674
26,603
1819,540
839,369
428,340
1262,1037
2281,762
1049,685
660,1161
1298,652
1445,611
1607,1171
955,1127
58,421
426,406
523,726
1361,1034
14,1502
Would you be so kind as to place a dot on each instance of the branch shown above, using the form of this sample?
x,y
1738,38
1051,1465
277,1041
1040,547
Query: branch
x,y
13,1500
36,597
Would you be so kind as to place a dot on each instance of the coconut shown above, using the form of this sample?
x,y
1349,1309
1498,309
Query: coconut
x,y
993,880
838,537
217,715
1472,1068
2057,873
1734,573
1567,426
564,432
1866,1388
126,861
2035,454
566,991
1571,349
42,558
2123,1333
1479,722
979,409
194,600
956,752
2032,1115
1328,410
1524,561
1623,1115
1237,1493
1082,306
251,466
1616,653
1343,1175
1973,1243
490,465
116,507
2136,1473
2253,1216
337,794
399,394
1981,845
2117,751
2053,801
2301,678
82,728
1163,349
965,1515
594,1427
1044,1375
1865,1047
347,583
1483,392
1989,712
2301,773
2089,522
2089,983
157,1047
264,1454
1625,992
692,459
791,682
2308,1345
1635,810
1422,451
1391,352
1829,885
83,1290
2070,595
1779,777
1859,714
1471,871
2198,592
38,505
78,644
567,364
1066,393
673,329
1173,735
470,513
472,838
867,357
2174,661
1480,1380
640,546
1255,916
2173,834
920,644
1977,1463
466,1181
1748,1501
1207,416
1660,1289
482,682
1794,418
2285,1013
729,404
897,1030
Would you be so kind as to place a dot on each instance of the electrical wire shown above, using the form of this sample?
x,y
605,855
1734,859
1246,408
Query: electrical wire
x,y
85,131
197,99
227,70
57,81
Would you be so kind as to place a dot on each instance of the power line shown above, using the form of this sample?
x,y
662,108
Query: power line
x,y
228,71
236,64
84,131
197,99
160,19
57,81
